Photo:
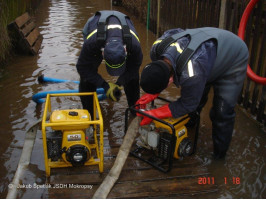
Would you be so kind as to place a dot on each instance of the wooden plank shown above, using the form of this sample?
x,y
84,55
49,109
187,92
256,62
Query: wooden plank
x,y
137,189
136,183
217,13
165,188
26,37
248,37
132,163
32,37
194,11
153,174
36,47
262,104
21,20
130,175
228,14
66,192
175,187
28,28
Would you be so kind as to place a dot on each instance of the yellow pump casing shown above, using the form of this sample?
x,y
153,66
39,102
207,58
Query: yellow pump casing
x,y
180,129
62,116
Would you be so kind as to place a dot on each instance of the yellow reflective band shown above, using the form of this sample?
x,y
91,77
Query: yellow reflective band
x,y
190,68
92,33
115,66
111,27
189,64
156,42
134,35
178,48
114,26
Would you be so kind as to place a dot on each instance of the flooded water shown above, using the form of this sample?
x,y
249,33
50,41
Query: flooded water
x,y
240,175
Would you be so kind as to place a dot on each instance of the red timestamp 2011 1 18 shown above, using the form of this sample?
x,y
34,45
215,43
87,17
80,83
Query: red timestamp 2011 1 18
x,y
211,180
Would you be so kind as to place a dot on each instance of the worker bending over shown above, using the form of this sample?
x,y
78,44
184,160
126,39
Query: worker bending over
x,y
110,36
196,60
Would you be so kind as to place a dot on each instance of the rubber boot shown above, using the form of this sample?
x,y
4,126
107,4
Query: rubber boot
x,y
223,118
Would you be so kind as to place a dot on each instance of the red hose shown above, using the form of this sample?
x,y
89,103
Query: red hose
x,y
241,34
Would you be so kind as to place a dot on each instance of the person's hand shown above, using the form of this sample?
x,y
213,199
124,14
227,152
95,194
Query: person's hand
x,y
144,99
161,113
114,91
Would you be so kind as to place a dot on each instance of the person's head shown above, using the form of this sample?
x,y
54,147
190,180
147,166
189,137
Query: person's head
x,y
155,77
115,57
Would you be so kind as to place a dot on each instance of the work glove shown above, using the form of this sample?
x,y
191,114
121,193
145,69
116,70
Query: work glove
x,y
161,113
114,91
144,99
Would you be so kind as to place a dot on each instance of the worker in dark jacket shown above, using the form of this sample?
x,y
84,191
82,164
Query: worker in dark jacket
x,y
196,59
110,36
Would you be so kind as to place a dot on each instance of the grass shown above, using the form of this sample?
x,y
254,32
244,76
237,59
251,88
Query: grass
x,y
5,44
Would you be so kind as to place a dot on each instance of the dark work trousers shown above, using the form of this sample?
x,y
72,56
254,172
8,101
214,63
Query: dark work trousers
x,y
131,89
87,101
226,91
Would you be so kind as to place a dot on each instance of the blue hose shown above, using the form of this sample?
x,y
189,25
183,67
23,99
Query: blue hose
x,y
43,79
37,98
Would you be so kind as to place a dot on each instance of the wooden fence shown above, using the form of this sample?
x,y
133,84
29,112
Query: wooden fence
x,y
253,96
225,14
183,14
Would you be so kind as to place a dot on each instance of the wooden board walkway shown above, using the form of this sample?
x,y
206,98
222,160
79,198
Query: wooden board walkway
x,y
25,35
137,180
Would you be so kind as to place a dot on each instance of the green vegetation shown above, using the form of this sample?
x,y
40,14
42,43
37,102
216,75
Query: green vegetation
x,y
9,11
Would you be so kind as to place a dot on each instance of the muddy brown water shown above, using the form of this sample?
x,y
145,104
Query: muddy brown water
x,y
240,175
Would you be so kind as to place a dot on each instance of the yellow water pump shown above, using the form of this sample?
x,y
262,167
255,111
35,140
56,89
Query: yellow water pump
x,y
162,140
72,137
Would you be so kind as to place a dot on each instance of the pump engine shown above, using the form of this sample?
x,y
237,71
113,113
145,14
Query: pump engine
x,y
157,137
69,142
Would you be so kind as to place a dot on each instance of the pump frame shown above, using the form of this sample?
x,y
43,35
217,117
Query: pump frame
x,y
96,121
